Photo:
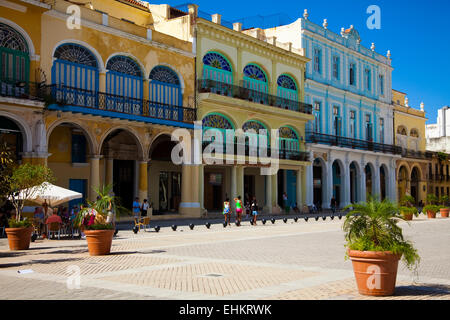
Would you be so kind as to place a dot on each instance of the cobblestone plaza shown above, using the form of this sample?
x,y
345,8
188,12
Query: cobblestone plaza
x,y
282,261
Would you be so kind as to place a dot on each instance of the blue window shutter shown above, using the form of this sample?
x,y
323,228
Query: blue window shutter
x,y
78,148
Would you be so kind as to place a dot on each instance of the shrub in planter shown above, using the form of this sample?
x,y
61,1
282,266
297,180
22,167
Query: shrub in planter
x,y
19,183
375,244
97,221
407,208
431,210
444,206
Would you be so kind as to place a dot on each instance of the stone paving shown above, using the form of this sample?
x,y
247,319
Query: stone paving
x,y
281,261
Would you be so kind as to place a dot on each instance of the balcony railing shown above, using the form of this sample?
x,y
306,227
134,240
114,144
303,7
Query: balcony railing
x,y
69,96
407,153
283,154
22,89
240,92
321,138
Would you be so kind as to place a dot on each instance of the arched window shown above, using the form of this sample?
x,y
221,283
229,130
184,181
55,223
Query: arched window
x,y
216,67
257,127
287,91
414,133
217,122
256,80
14,62
124,85
402,130
165,86
289,142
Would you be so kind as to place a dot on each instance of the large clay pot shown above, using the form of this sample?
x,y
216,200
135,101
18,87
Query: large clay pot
x,y
407,216
99,241
444,212
431,214
19,238
375,272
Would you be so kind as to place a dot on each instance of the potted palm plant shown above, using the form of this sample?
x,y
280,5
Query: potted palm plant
x,y
375,244
97,221
444,210
431,208
407,208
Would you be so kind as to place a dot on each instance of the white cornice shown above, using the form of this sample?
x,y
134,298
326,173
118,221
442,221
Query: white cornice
x,y
299,59
119,33
38,3
345,49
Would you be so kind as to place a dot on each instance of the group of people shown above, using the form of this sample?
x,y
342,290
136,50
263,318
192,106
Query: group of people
x,y
45,215
251,208
140,209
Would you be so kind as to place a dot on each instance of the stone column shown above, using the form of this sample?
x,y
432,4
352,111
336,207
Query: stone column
x,y
274,191
300,190
201,186
346,185
392,184
233,193
143,181
328,185
94,179
362,183
309,185
376,185
240,182
102,81
268,200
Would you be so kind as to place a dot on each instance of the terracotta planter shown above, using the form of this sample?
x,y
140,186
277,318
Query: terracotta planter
x,y
99,241
444,212
375,272
431,214
19,238
407,216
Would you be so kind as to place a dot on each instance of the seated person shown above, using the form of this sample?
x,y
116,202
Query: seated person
x,y
53,218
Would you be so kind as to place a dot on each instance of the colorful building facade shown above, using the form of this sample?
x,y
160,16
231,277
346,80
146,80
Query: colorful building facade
x,y
350,139
96,99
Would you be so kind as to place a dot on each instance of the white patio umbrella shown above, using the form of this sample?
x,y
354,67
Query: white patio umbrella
x,y
50,193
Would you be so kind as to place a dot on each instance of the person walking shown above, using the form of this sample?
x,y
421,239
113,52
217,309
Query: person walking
x,y
285,202
144,209
254,210
227,211
136,209
239,208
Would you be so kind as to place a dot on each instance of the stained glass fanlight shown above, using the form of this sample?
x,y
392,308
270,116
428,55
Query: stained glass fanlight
x,y
217,61
124,65
11,39
254,72
165,75
287,133
76,54
286,82
217,121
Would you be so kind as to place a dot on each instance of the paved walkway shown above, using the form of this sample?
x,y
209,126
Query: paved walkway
x,y
293,260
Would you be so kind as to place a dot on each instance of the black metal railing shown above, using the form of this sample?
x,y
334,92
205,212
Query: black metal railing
x,y
408,153
64,95
240,92
321,138
244,149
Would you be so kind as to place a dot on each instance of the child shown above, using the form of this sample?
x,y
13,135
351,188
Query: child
x,y
238,208
227,210
254,210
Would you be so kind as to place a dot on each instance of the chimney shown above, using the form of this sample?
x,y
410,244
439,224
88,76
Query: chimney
x,y
237,26
216,18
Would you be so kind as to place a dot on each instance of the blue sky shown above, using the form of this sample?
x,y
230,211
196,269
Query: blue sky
x,y
415,32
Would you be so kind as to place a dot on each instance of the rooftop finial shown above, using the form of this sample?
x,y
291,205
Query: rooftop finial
x,y
422,106
406,102
373,47
305,14
325,23
342,31
389,54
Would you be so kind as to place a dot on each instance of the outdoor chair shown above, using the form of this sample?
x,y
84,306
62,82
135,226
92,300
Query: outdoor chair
x,y
144,223
54,227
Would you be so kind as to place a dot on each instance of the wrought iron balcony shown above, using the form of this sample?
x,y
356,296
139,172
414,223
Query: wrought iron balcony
x,y
117,106
22,89
407,153
240,92
283,154
321,138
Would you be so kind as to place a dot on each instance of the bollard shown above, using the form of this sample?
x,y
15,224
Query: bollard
x,y
157,228
191,226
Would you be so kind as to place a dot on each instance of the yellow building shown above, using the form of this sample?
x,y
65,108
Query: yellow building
x,y
95,92
409,125
246,81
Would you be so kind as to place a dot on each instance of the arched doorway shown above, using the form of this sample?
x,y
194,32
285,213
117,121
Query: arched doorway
x,y
415,179
121,152
354,182
369,180
319,174
165,177
11,134
383,182
69,147
338,190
